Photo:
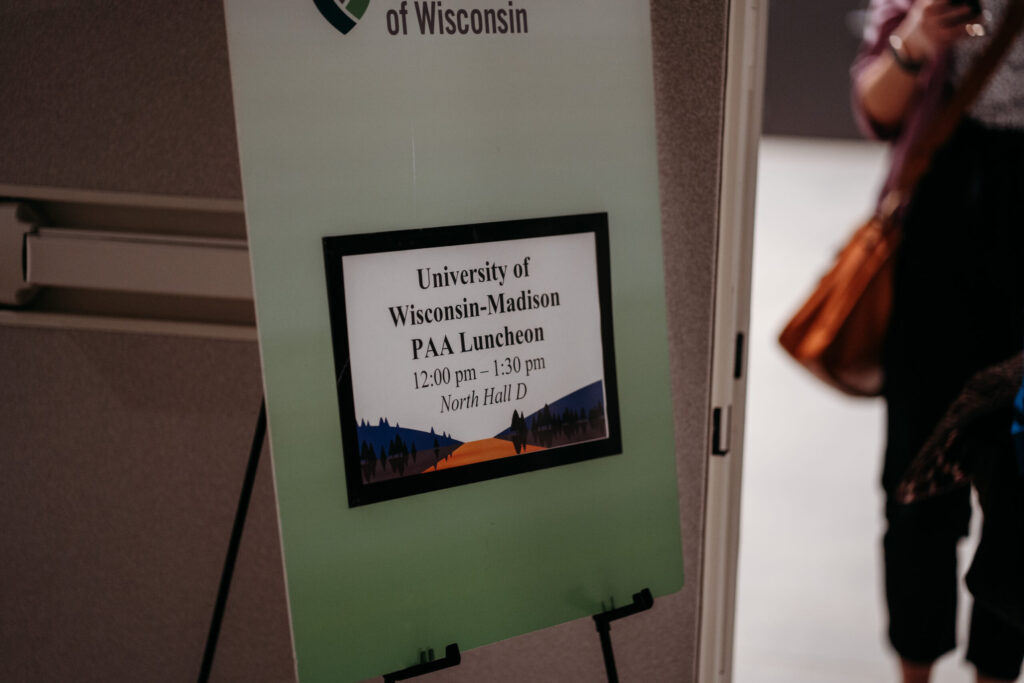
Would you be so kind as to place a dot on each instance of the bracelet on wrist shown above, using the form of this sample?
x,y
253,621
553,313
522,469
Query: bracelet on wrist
x,y
899,55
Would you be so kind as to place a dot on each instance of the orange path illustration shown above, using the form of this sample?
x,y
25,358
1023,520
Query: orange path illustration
x,y
481,451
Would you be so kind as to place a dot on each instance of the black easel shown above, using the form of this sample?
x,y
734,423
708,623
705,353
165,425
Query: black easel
x,y
641,601
427,664
233,544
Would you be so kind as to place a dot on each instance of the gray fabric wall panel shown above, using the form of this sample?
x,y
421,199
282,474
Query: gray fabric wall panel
x,y
255,640
690,41
120,466
117,95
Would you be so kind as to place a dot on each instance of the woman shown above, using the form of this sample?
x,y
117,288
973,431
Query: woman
x,y
958,298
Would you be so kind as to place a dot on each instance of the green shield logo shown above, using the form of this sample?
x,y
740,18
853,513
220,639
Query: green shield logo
x,y
343,14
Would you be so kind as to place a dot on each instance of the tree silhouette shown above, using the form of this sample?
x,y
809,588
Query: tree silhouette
x,y
543,427
518,430
368,460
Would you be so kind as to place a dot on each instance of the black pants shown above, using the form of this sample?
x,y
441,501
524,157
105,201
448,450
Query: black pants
x,y
958,307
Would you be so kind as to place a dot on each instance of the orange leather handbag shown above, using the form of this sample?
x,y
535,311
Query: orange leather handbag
x,y
839,331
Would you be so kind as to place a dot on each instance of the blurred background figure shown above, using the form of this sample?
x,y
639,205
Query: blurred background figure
x,y
958,298
810,491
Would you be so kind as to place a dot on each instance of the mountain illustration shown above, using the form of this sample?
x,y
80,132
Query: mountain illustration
x,y
387,451
383,434
578,416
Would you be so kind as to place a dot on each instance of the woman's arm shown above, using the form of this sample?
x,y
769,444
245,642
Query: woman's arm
x,y
886,85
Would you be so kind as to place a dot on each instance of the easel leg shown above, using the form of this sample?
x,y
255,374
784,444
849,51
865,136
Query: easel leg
x,y
234,543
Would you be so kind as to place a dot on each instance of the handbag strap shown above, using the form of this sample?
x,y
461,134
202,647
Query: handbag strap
x,y
942,126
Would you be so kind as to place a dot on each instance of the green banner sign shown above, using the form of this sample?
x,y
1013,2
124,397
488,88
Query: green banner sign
x,y
454,227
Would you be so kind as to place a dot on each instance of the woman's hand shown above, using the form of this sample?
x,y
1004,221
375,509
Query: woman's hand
x,y
932,25
885,87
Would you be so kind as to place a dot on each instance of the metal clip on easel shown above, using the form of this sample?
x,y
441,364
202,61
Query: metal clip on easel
x,y
641,601
427,664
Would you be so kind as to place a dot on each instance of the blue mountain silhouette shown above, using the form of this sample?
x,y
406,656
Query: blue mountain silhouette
x,y
383,433
579,401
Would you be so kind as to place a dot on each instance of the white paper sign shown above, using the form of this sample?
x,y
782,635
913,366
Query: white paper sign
x,y
490,346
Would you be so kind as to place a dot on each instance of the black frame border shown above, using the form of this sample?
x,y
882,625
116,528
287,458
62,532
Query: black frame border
x,y
336,247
